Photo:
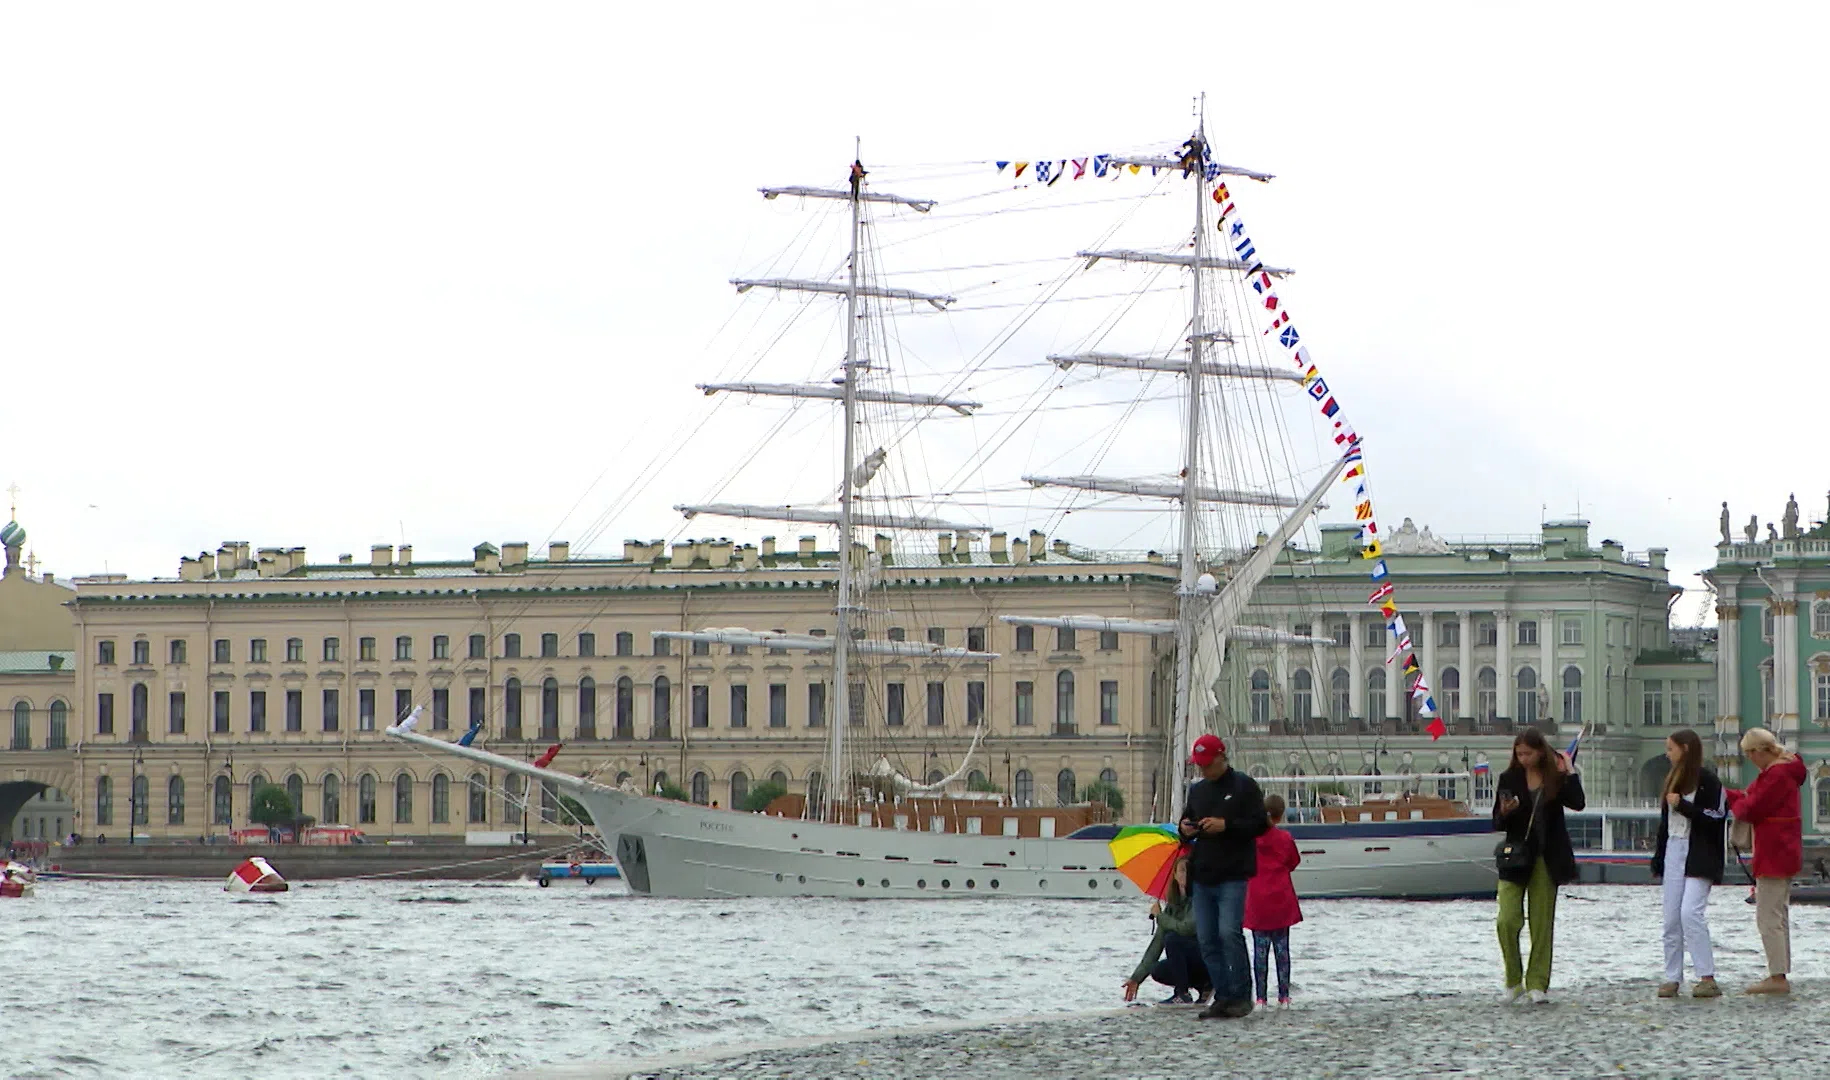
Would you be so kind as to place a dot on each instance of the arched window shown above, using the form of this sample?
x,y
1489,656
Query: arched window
x,y
222,808
1303,685
1025,785
587,708
255,783
60,726
441,799
702,788
1261,697
1065,788
295,790
1375,692
1525,698
663,707
740,790
1486,688
1451,692
174,801
1572,696
935,776
142,812
660,780
1340,694
1064,699
513,806
104,800
1109,777
331,790
137,720
1823,799
365,800
403,799
549,709
1820,618
22,726
511,709
975,781
625,708
479,799
816,788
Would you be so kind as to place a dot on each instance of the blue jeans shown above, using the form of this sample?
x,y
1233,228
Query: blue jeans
x,y
1181,967
1219,910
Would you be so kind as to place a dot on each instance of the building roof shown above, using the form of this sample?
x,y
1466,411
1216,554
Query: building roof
x,y
32,661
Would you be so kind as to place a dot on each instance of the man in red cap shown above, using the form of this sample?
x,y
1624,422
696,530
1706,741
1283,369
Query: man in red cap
x,y
1222,820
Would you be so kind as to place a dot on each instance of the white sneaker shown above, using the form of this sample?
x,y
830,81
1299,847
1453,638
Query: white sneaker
x,y
1511,995
1540,997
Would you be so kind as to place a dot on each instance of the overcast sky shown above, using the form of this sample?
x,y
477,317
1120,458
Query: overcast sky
x,y
353,273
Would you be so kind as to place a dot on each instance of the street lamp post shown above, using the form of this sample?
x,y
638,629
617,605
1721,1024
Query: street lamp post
x,y
133,797
647,788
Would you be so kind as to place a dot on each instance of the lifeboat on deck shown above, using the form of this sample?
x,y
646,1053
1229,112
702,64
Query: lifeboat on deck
x,y
255,875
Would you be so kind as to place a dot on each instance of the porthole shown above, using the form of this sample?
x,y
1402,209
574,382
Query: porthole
x,y
886,883
803,879
1092,883
970,883
1042,883
778,877
921,883
945,884
994,883
1118,883
860,883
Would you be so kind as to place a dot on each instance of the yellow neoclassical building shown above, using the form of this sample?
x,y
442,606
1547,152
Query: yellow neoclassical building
x,y
257,666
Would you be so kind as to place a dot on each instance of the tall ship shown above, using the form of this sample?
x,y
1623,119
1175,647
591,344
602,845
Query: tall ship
x,y
1201,423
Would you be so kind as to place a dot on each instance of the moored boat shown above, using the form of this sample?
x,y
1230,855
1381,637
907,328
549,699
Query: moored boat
x,y
255,875
17,880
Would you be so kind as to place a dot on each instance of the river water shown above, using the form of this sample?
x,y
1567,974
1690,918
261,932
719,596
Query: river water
x,y
398,979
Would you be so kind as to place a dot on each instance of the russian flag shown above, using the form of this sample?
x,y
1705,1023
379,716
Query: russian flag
x,y
1574,745
1481,768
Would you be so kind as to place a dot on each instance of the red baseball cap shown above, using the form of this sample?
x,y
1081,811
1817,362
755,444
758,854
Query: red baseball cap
x,y
1207,748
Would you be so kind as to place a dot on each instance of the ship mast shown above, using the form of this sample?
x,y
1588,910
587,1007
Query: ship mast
x,y
841,645
1191,490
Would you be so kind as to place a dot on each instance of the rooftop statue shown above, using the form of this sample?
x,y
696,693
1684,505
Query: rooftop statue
x,y
1723,525
1753,528
1791,518
1772,533
1406,540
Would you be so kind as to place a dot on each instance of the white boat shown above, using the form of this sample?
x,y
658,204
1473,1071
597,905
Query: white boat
x,y
17,880
1232,528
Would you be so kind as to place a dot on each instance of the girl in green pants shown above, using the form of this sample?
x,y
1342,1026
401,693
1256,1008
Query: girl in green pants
x,y
1528,803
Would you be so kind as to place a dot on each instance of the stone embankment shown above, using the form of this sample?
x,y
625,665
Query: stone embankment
x,y
299,862
1607,1030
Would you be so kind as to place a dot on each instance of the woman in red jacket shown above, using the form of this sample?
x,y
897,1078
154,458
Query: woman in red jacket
x,y
1770,805
1270,902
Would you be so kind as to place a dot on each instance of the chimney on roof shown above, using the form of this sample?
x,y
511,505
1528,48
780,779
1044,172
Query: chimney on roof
x,y
962,547
683,555
634,551
514,555
1019,551
768,547
189,569
485,558
807,548
226,559
49,579
206,565
1655,558
269,562
1061,548
405,558
1038,545
244,559
718,553
298,561
943,547
748,554
1155,558
346,560
558,551
881,544
381,555
1000,546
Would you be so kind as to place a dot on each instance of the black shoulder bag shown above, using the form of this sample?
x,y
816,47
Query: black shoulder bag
x,y
1514,855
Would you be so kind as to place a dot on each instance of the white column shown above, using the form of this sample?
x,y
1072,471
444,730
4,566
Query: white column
x,y
1467,663
1356,681
1785,661
1502,663
1394,678
1428,654
1547,664
1280,672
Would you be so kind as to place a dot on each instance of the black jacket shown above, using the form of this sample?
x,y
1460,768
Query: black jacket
x,y
1233,854
1708,814
1549,834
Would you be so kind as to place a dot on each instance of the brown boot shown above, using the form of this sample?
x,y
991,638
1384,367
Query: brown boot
x,y
1772,984
1706,988
1668,990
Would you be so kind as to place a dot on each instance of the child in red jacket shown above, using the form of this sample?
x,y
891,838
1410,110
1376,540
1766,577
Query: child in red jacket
x,y
1270,902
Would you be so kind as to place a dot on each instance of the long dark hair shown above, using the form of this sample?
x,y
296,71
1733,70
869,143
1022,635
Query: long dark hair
x,y
1548,776
1683,775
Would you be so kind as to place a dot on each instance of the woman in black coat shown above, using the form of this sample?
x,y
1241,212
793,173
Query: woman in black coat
x,y
1692,827
1528,803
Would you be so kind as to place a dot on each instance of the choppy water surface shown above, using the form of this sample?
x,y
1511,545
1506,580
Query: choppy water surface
x,y
461,979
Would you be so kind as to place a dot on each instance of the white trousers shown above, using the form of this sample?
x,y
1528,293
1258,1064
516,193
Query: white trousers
x,y
1686,915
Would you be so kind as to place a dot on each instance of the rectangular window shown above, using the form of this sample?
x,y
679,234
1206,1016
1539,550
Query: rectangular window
x,y
778,705
897,633
104,652
511,646
175,650
479,707
1823,696
702,648
441,709
104,714
854,706
441,647
295,650
479,647
587,644
816,704
663,647
1449,634
1303,629
333,650
142,652
1026,639
1064,639
702,706
1026,704
625,643
895,702
1488,633
295,710
257,650
1108,640
937,704
975,703
403,704
1652,711
740,650
1528,632
740,706
549,644
975,638
937,635
257,710
1108,702
1572,631
365,709
365,649
175,712
1341,632
403,648
219,720
220,651
331,719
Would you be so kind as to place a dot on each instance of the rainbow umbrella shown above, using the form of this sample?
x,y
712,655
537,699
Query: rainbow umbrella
x,y
1147,855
